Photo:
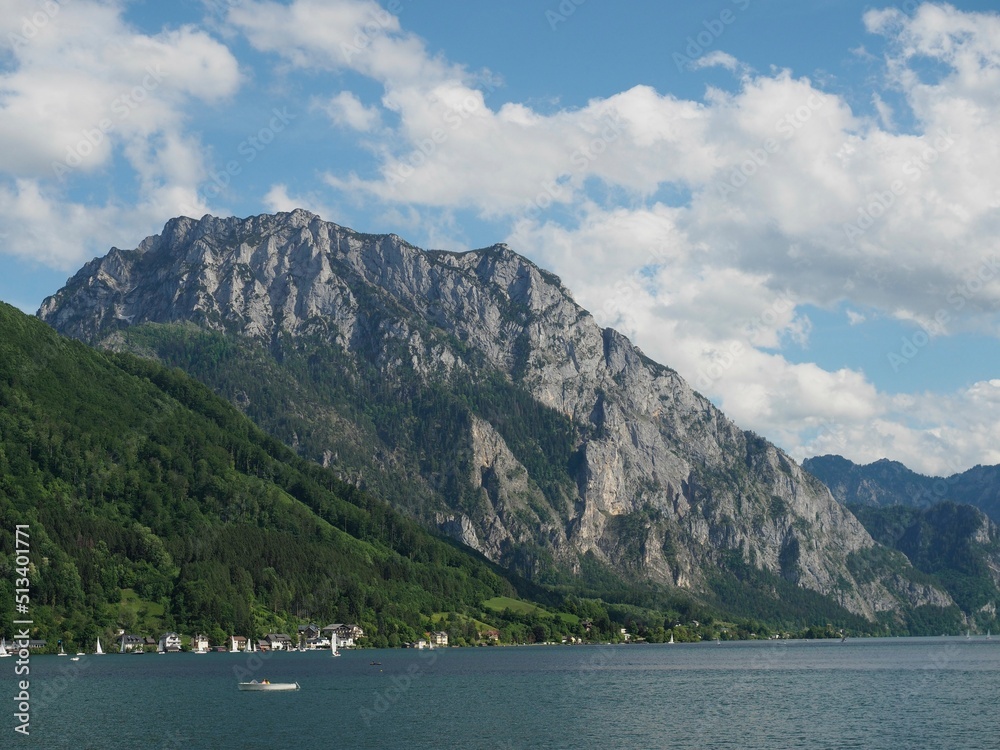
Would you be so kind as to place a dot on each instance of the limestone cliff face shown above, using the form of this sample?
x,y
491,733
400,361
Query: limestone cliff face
x,y
662,484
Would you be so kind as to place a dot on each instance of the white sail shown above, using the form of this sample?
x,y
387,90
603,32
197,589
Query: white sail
x,y
3,648
99,650
333,645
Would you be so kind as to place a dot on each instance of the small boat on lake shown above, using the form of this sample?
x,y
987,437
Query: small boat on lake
x,y
265,685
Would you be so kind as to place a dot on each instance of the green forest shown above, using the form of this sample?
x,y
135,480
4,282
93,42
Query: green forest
x,y
152,505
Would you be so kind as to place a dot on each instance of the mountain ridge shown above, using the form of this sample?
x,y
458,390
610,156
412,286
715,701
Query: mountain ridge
x,y
885,482
607,456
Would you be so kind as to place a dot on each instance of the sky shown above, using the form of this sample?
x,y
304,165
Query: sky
x,y
794,205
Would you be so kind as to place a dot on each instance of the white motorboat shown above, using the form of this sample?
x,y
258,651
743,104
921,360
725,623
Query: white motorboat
x,y
264,685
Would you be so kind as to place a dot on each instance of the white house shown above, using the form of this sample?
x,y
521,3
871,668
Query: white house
x,y
439,638
347,633
129,643
169,642
237,643
200,643
277,642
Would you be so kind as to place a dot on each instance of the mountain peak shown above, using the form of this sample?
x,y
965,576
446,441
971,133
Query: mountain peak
x,y
567,444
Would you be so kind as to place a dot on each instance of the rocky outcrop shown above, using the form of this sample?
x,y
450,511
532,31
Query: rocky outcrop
x,y
662,485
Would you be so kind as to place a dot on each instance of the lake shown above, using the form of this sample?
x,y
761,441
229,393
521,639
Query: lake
x,y
874,694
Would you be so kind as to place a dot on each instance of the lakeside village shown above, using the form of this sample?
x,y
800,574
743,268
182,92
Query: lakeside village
x,y
348,635
309,638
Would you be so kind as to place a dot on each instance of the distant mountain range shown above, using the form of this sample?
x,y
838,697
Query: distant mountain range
x,y
885,482
474,394
946,526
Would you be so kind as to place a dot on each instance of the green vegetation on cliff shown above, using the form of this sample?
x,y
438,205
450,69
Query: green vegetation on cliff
x,y
152,503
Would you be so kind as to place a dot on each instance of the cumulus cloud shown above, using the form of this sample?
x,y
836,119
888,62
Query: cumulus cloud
x,y
279,199
782,195
346,110
794,198
80,86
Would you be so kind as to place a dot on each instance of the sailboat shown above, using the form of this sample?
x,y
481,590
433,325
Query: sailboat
x,y
671,638
333,645
3,648
61,651
99,651
988,636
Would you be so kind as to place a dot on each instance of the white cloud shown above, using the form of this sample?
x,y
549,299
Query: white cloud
x,y
79,86
279,199
716,58
794,199
346,110
855,318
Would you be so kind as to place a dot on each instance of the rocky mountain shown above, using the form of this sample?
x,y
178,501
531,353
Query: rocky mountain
x,y
957,546
946,526
885,483
473,392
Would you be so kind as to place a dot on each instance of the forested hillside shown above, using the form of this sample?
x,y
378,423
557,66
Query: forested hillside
x,y
154,504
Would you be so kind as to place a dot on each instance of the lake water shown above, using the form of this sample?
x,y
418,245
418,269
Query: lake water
x,y
871,694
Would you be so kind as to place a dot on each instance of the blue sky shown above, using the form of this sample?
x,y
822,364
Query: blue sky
x,y
795,205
